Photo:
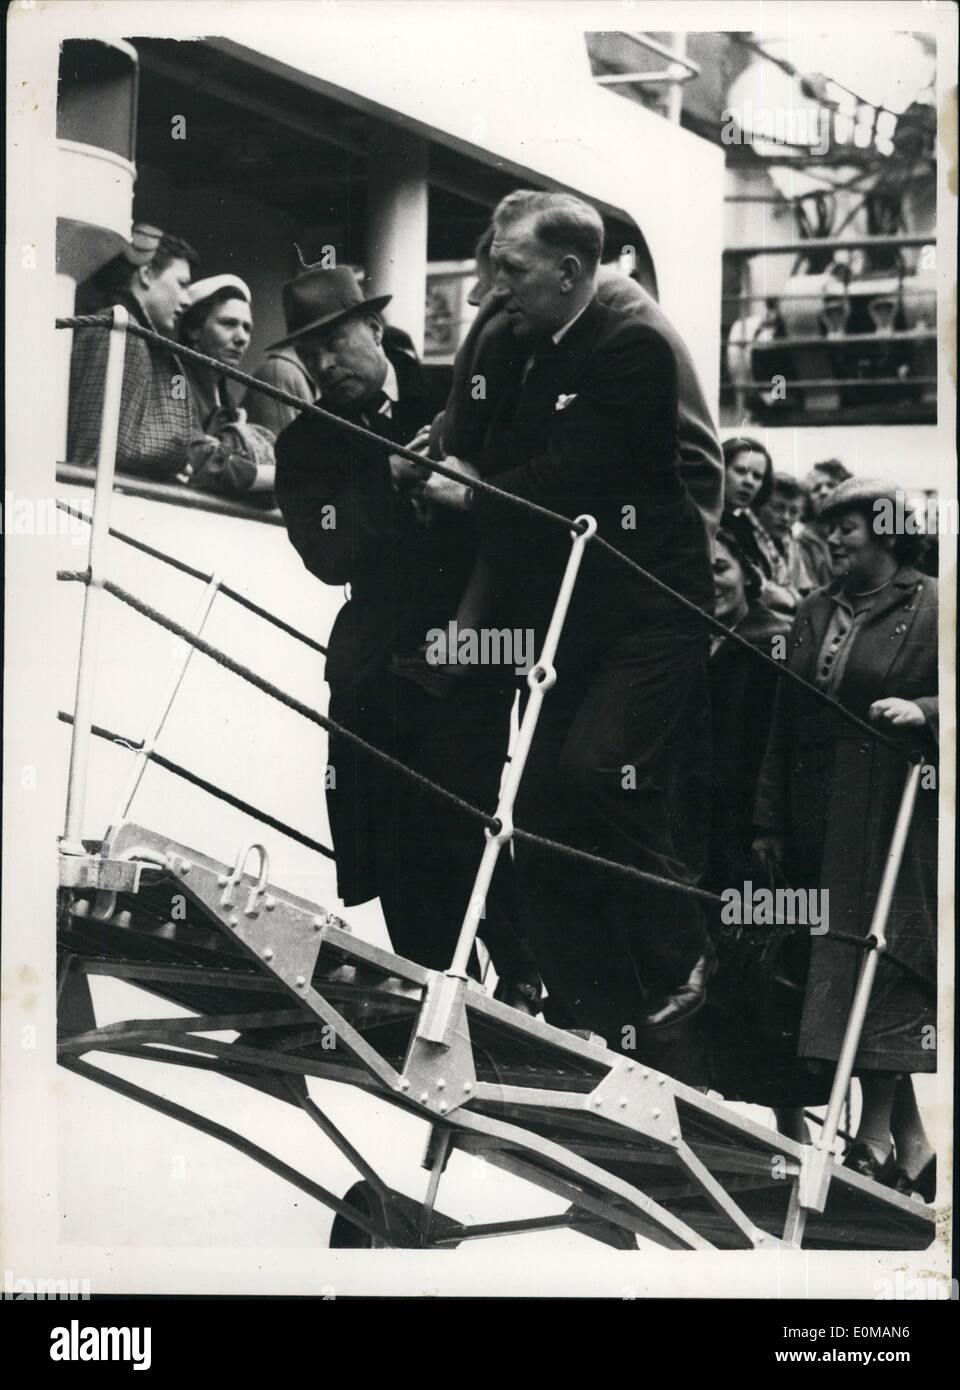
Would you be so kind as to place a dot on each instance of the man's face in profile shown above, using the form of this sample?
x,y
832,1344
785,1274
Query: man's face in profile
x,y
530,276
346,360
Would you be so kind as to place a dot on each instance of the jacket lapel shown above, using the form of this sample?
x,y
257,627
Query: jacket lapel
x,y
895,610
556,368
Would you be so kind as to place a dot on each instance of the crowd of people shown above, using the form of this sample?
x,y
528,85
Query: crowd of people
x,y
664,745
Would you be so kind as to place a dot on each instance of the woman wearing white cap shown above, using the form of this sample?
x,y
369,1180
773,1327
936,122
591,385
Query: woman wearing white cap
x,y
231,455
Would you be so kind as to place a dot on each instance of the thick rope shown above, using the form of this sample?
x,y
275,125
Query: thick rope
x,y
240,805
268,688
298,403
184,568
490,822
481,485
245,673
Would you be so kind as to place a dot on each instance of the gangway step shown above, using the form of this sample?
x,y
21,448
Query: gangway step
x,y
633,1151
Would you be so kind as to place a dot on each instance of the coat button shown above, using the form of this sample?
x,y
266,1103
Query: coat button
x,y
863,748
901,627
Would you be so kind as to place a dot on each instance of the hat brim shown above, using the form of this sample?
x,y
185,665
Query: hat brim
x,y
862,500
373,305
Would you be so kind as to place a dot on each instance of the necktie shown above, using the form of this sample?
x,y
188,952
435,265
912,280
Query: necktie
x,y
370,415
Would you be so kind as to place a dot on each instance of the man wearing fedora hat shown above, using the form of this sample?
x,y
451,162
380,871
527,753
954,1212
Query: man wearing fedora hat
x,y
351,515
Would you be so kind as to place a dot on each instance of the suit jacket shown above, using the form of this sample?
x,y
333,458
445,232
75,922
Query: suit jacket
x,y
593,429
700,463
490,350
350,526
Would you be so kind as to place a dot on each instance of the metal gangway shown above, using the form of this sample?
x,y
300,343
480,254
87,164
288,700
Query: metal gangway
x,y
632,1150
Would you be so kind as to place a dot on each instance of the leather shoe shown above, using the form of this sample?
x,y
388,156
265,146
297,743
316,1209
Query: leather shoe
x,y
684,1002
923,1186
861,1159
525,995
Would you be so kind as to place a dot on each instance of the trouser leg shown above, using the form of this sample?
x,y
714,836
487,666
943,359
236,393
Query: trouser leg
x,y
463,744
619,767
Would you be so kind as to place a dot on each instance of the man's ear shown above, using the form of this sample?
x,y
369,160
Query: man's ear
x,y
571,272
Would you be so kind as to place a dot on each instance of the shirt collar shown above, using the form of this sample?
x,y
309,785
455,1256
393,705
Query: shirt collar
x,y
390,388
565,328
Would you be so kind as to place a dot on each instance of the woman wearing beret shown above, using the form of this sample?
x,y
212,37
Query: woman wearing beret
x,y
827,802
228,455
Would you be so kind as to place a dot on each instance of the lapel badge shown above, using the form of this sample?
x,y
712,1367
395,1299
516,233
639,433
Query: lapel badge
x,y
563,401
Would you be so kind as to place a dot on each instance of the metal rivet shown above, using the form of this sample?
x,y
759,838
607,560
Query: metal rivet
x,y
598,1102
269,903
760,1238
674,1134
425,1098
222,880
404,1084
268,953
630,1066
441,1084
656,1114
623,1103
318,924
645,1074
234,921
468,1086
185,866
661,1080
251,912
300,982
443,1107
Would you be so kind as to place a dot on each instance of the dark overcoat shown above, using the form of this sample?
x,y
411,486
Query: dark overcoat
x,y
833,793
742,691
352,527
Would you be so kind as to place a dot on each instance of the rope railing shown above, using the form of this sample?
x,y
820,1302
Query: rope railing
x,y
195,573
490,823
104,322
201,783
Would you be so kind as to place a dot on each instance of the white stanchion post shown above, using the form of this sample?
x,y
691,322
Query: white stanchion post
x,y
445,991
146,750
814,1179
540,680
71,842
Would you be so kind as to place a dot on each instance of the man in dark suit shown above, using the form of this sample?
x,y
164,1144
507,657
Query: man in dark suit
x,y
620,762
350,514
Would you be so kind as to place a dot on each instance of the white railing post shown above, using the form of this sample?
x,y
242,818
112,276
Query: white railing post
x,y
814,1180
146,750
542,677
71,843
